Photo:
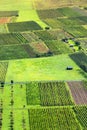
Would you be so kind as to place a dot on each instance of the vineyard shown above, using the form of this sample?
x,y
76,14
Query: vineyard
x,y
54,94
43,65
53,118
48,94
81,114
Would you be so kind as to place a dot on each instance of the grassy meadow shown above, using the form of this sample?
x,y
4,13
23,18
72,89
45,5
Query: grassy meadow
x,y
52,68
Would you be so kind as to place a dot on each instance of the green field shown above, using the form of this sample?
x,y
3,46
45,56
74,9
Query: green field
x,y
52,68
15,5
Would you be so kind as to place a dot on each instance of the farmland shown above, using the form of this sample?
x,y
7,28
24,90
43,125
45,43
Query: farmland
x,y
53,119
80,59
57,3
81,115
79,92
54,94
18,27
57,47
48,68
43,65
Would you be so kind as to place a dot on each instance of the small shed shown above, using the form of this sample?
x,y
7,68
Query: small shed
x,y
69,68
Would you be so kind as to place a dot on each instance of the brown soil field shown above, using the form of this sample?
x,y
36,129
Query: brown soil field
x,y
78,91
40,47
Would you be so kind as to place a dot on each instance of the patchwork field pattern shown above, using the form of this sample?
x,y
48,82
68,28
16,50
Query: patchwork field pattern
x,y
48,94
43,65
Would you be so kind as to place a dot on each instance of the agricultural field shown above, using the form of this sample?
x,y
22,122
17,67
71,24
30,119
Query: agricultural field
x,y
3,28
12,5
47,68
79,92
53,23
54,94
23,26
12,111
40,48
83,42
43,65
81,114
8,13
48,94
53,118
13,52
30,37
3,70
12,38
17,114
50,4
58,47
23,51
80,59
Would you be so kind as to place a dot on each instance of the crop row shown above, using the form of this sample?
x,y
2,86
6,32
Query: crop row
x,y
58,47
13,114
48,94
3,70
81,114
13,52
53,119
23,26
77,31
60,12
11,38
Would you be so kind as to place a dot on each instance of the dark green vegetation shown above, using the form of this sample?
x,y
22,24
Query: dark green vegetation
x,y
77,31
13,52
80,59
23,26
12,38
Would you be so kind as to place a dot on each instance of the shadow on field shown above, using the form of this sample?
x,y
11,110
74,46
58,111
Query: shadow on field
x,y
82,73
